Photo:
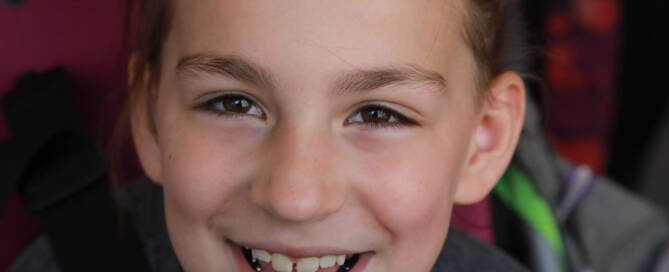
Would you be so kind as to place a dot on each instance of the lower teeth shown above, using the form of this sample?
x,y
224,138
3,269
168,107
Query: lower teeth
x,y
255,264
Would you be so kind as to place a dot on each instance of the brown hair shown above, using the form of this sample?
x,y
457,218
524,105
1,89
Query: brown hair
x,y
149,36
484,30
154,26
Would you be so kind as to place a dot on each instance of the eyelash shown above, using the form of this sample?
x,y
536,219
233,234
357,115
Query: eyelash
x,y
399,120
211,106
396,120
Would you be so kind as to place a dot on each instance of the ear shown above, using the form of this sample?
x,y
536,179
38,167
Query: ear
x,y
500,121
144,135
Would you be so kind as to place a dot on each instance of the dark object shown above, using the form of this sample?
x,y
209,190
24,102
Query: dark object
x,y
60,175
643,96
42,120
464,253
15,3
654,176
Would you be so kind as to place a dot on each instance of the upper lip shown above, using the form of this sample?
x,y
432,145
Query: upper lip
x,y
296,252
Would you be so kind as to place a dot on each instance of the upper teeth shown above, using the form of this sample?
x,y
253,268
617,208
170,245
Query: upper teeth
x,y
282,263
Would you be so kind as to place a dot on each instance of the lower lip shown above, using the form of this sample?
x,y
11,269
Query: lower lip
x,y
244,266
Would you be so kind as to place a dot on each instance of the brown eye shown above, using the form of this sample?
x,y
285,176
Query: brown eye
x,y
234,105
379,116
375,116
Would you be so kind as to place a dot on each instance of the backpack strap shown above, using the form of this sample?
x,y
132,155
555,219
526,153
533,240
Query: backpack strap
x,y
603,227
542,231
574,190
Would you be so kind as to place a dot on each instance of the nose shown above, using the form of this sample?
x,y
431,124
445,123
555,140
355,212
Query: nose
x,y
300,183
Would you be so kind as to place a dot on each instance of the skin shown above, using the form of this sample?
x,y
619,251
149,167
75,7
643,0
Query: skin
x,y
302,177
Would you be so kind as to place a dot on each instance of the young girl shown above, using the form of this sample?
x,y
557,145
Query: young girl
x,y
337,136
311,135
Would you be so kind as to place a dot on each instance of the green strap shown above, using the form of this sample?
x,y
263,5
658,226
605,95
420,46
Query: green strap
x,y
517,192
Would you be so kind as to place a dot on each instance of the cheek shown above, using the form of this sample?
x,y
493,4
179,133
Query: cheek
x,y
410,188
411,185
416,194
204,166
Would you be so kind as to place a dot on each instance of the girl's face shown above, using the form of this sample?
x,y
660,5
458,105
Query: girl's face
x,y
309,129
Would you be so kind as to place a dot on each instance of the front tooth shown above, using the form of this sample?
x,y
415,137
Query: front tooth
x,y
261,255
281,263
341,259
328,261
307,265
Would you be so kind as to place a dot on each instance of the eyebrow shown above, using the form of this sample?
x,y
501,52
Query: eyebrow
x,y
366,80
231,66
361,80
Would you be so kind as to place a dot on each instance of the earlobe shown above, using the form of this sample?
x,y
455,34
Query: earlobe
x,y
494,141
143,135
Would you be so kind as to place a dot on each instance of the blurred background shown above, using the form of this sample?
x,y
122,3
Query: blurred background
x,y
602,63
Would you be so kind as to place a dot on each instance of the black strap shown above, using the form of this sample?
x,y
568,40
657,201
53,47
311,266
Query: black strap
x,y
60,175
84,233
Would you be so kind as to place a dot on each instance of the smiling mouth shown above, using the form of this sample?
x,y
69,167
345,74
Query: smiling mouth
x,y
258,259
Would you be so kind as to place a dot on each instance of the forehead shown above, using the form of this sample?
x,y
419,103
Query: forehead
x,y
305,33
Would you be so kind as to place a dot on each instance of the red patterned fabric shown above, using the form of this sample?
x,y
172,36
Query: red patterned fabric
x,y
583,43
